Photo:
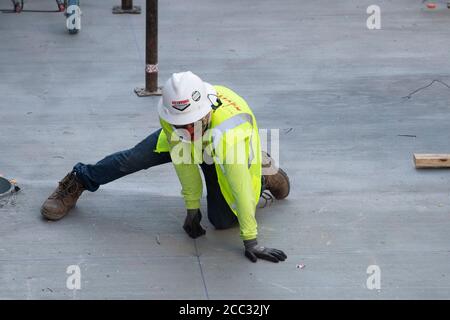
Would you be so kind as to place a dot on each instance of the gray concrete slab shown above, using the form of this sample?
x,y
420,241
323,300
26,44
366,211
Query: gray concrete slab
x,y
311,69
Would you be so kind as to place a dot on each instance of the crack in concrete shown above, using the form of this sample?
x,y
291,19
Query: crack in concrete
x,y
201,270
427,86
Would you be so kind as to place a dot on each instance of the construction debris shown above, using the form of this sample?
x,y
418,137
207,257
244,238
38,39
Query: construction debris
x,y
425,160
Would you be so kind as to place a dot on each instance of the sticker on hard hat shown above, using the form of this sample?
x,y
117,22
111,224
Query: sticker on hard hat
x,y
196,95
181,104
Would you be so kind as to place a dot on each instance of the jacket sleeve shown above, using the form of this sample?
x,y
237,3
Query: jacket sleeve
x,y
191,184
240,182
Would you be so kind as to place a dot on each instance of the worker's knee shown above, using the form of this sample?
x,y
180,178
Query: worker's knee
x,y
128,161
222,225
223,221
133,160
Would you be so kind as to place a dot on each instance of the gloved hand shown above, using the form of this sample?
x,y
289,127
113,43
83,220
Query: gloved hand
x,y
192,223
253,252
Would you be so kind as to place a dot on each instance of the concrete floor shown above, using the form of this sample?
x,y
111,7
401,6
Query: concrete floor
x,y
309,68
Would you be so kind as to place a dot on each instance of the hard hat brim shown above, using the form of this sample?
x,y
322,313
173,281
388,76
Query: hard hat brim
x,y
183,119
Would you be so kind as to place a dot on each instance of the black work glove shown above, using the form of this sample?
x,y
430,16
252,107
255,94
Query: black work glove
x,y
192,223
253,252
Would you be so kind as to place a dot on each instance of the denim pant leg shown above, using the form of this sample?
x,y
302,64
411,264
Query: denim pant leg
x,y
119,164
219,212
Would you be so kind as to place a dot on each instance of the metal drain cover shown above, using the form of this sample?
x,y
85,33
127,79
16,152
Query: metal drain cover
x,y
5,186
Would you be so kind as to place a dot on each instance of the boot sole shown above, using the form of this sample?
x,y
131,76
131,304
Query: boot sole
x,y
284,174
53,217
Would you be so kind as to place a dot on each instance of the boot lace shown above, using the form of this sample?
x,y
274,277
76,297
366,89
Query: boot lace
x,y
66,187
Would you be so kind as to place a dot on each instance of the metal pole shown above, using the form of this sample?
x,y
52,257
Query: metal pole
x,y
126,7
127,4
151,52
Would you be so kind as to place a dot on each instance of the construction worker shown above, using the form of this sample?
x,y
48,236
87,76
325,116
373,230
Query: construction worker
x,y
204,126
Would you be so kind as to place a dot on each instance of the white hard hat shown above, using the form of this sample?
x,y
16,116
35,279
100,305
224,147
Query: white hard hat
x,y
185,99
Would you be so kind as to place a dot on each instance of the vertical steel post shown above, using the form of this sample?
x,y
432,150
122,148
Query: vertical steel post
x,y
127,4
126,7
151,52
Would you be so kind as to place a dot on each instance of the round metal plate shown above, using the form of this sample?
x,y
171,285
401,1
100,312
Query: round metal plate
x,y
5,186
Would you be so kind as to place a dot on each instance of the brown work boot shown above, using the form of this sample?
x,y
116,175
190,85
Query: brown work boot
x,y
275,179
63,198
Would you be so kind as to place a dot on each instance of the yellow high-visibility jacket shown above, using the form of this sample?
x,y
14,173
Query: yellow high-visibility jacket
x,y
233,144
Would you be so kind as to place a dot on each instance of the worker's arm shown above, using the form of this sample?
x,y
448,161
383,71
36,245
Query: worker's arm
x,y
187,171
240,182
191,183
239,179
191,189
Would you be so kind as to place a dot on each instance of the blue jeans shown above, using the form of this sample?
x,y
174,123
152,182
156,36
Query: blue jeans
x,y
142,156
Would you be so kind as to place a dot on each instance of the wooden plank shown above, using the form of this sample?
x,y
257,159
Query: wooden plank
x,y
429,160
